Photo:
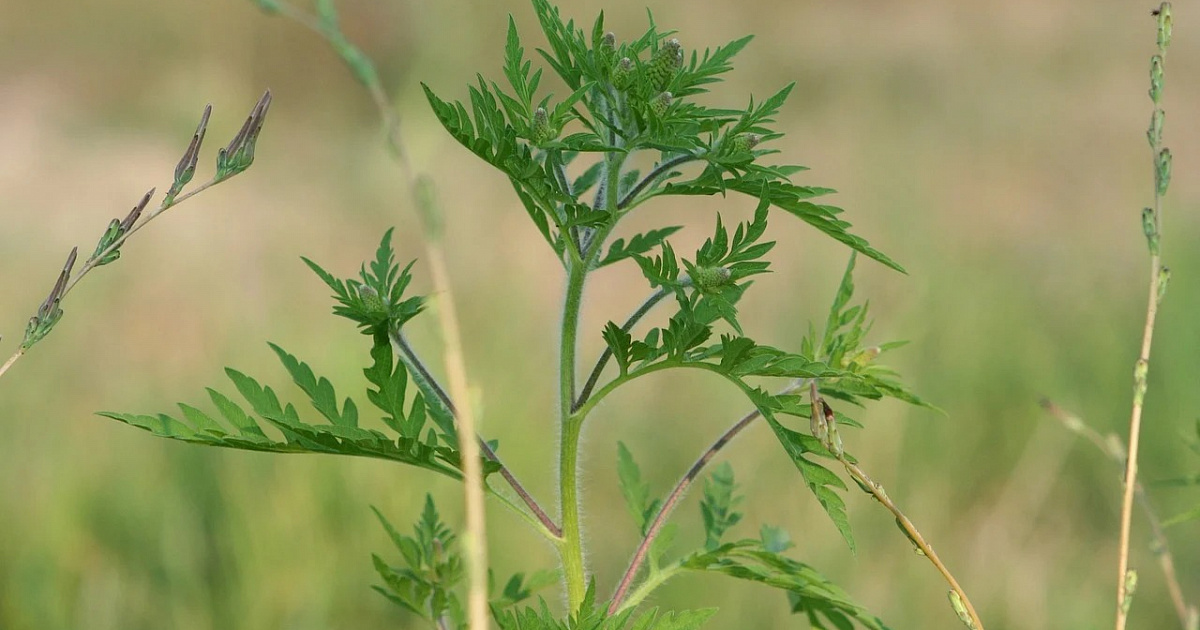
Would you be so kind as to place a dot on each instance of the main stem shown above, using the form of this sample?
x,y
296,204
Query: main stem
x,y
571,547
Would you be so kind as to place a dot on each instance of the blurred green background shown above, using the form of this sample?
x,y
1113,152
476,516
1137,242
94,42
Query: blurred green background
x,y
997,151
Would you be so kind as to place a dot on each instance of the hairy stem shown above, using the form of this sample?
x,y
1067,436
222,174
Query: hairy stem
x,y
571,548
414,363
1161,546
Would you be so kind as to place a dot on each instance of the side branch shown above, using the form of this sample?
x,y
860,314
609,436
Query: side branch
x,y
825,425
414,362
651,177
660,519
594,377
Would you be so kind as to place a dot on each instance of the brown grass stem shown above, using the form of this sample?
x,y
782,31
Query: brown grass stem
x,y
475,541
1152,226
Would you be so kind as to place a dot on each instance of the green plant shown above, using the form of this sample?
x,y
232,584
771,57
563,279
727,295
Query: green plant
x,y
626,102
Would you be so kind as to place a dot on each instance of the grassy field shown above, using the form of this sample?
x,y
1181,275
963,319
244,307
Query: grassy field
x,y
998,152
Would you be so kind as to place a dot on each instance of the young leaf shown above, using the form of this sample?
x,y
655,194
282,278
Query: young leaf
x,y
717,506
636,491
620,343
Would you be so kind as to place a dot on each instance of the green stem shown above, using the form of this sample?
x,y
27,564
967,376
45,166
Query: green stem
x,y
571,548
648,586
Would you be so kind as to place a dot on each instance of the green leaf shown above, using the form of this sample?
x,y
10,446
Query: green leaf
x,y
638,245
620,343
809,592
820,480
682,620
391,381
705,70
426,586
635,491
1190,515
320,392
717,506
298,437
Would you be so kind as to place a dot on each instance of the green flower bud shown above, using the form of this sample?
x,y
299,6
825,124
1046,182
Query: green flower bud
x,y
711,277
744,142
1164,277
1156,78
622,76
608,43
1164,25
1131,582
1154,133
371,299
1162,171
541,131
660,103
1150,228
665,63
960,609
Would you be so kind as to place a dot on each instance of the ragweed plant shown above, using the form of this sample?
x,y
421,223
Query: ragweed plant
x,y
573,163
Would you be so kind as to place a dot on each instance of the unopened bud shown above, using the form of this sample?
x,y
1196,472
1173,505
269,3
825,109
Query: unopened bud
x,y
1150,229
541,131
1162,171
1164,277
960,609
1154,133
744,142
371,299
609,42
665,63
1156,78
660,103
622,76
1164,25
711,277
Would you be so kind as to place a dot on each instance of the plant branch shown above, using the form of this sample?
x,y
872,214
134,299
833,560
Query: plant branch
x,y
414,363
1161,546
632,321
824,424
653,175
672,500
877,491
